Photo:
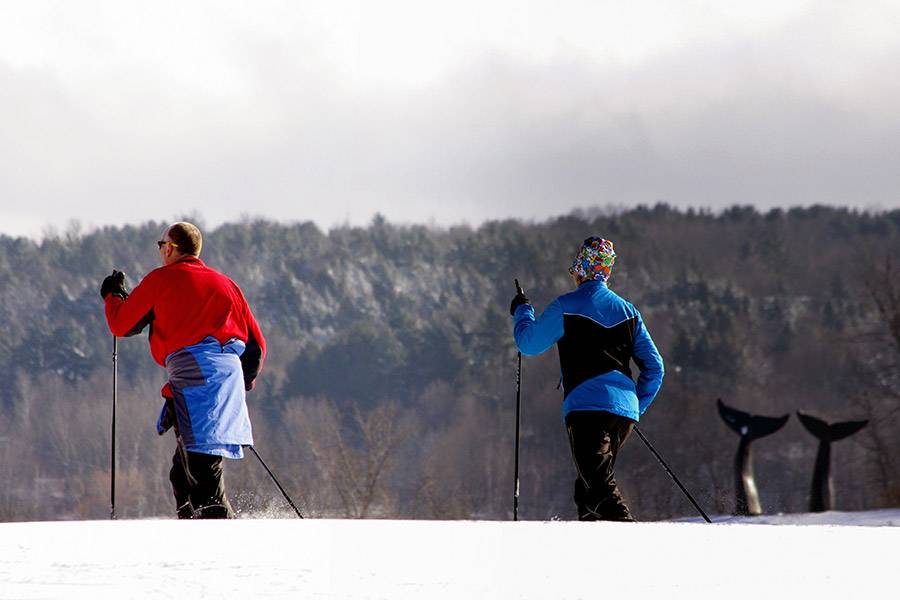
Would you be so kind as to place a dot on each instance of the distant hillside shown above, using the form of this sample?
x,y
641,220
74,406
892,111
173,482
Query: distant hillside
x,y
390,385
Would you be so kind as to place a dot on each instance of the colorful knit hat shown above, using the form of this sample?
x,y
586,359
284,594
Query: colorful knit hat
x,y
594,259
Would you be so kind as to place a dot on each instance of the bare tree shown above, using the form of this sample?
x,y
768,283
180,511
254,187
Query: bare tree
x,y
357,456
881,403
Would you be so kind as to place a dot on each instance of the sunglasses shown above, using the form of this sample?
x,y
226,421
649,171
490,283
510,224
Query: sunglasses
x,y
161,243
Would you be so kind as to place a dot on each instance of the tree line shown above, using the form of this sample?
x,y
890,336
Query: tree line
x,y
389,390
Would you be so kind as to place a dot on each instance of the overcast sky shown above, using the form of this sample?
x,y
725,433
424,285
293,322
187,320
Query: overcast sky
x,y
459,111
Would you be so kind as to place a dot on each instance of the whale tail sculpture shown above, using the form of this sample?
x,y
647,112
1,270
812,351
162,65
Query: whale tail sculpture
x,y
749,427
753,426
821,495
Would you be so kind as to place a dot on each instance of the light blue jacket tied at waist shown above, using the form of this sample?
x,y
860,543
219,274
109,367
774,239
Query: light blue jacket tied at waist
x,y
207,384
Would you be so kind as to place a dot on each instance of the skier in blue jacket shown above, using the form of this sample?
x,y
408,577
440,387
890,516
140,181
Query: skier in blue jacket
x,y
598,334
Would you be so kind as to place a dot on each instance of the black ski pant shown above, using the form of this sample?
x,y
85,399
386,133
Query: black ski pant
x,y
595,437
199,486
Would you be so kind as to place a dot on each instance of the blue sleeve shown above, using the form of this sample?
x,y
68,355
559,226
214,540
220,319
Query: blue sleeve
x,y
648,360
534,336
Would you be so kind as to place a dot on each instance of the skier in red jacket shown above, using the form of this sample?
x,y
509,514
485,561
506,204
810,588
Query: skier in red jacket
x,y
203,332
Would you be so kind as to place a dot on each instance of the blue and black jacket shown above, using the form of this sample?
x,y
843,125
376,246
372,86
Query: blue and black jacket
x,y
598,334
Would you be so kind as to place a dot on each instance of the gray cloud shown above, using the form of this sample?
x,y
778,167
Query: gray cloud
x,y
802,116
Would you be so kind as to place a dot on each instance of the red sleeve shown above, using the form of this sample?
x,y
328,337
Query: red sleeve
x,y
254,330
129,317
255,353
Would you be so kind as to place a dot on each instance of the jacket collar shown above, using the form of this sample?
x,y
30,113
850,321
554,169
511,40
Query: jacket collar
x,y
188,259
592,283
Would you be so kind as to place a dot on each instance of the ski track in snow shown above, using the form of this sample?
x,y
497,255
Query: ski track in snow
x,y
828,555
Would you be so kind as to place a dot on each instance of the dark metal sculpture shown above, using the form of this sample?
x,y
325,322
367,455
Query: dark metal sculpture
x,y
749,427
821,495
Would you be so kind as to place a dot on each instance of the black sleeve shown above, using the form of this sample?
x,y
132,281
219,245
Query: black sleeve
x,y
139,326
250,361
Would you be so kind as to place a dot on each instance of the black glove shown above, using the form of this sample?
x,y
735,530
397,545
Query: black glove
x,y
520,298
114,284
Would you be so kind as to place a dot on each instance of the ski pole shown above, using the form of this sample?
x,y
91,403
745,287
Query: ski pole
x,y
671,474
518,418
272,475
518,414
112,483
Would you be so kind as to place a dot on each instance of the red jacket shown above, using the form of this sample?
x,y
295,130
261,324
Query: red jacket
x,y
184,303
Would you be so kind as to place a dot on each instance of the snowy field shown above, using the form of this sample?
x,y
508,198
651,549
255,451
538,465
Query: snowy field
x,y
831,555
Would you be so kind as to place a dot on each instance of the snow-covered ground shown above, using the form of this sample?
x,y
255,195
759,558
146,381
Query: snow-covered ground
x,y
832,555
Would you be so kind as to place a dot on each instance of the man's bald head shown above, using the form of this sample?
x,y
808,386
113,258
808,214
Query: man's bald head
x,y
186,237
